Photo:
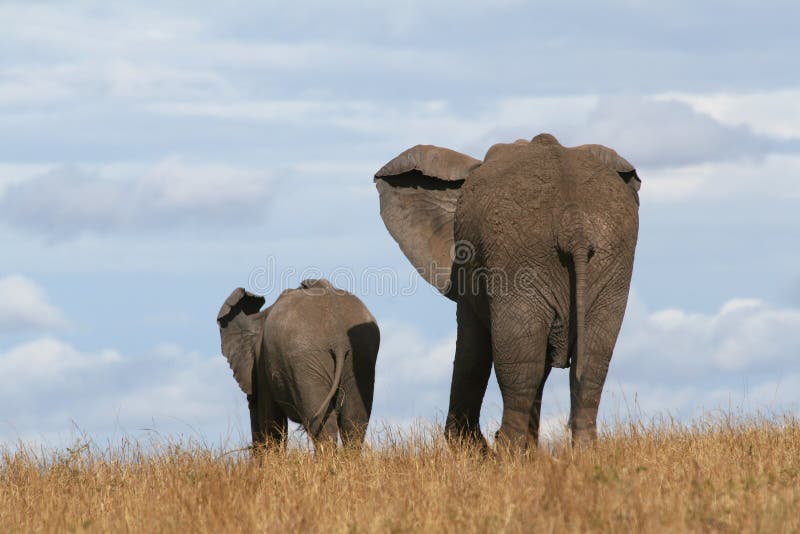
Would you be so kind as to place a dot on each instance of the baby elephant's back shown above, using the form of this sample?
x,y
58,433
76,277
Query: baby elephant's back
x,y
319,317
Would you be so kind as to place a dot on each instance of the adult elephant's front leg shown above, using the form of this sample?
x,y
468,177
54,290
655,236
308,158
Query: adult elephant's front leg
x,y
471,370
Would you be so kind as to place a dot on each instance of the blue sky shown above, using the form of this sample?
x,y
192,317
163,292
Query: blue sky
x,y
155,156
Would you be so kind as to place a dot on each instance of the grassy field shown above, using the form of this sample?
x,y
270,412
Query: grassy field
x,y
712,476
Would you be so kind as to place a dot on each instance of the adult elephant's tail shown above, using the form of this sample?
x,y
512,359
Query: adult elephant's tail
x,y
574,238
580,259
319,419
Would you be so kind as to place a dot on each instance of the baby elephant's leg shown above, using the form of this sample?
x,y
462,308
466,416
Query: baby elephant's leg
x,y
354,417
327,437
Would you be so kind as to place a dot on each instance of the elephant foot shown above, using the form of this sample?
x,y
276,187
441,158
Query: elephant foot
x,y
512,444
466,438
583,436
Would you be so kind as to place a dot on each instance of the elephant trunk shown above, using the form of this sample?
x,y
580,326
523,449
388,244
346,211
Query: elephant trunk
x,y
319,419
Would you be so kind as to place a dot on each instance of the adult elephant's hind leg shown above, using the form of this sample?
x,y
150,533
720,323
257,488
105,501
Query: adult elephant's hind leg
x,y
471,370
585,392
519,346
586,386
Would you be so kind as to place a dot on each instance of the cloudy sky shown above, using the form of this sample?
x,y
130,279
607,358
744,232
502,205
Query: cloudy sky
x,y
156,155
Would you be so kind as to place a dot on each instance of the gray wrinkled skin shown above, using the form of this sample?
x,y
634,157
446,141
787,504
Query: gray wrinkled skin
x,y
536,246
310,358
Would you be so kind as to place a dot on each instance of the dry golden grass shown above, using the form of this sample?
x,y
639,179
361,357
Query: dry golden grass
x,y
720,476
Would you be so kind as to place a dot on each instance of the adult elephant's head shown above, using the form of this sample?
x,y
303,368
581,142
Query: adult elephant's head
x,y
419,192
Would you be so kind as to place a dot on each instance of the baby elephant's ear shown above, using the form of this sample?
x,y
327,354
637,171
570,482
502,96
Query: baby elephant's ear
x,y
615,162
419,191
240,327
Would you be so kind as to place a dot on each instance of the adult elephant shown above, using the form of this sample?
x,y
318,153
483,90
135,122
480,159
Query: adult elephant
x,y
309,357
536,245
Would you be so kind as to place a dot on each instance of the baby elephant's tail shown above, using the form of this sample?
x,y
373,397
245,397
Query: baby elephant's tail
x,y
319,419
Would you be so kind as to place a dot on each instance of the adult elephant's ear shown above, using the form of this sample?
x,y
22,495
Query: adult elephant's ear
x,y
240,327
419,190
615,162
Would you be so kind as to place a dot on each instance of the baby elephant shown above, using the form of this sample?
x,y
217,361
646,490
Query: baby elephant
x,y
309,357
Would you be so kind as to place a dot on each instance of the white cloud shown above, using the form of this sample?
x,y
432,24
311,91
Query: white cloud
x,y
299,57
648,400
48,387
412,374
413,358
46,363
667,133
648,131
24,307
144,81
291,111
745,337
394,123
771,113
29,86
26,88
11,174
72,200
78,29
177,63
771,178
